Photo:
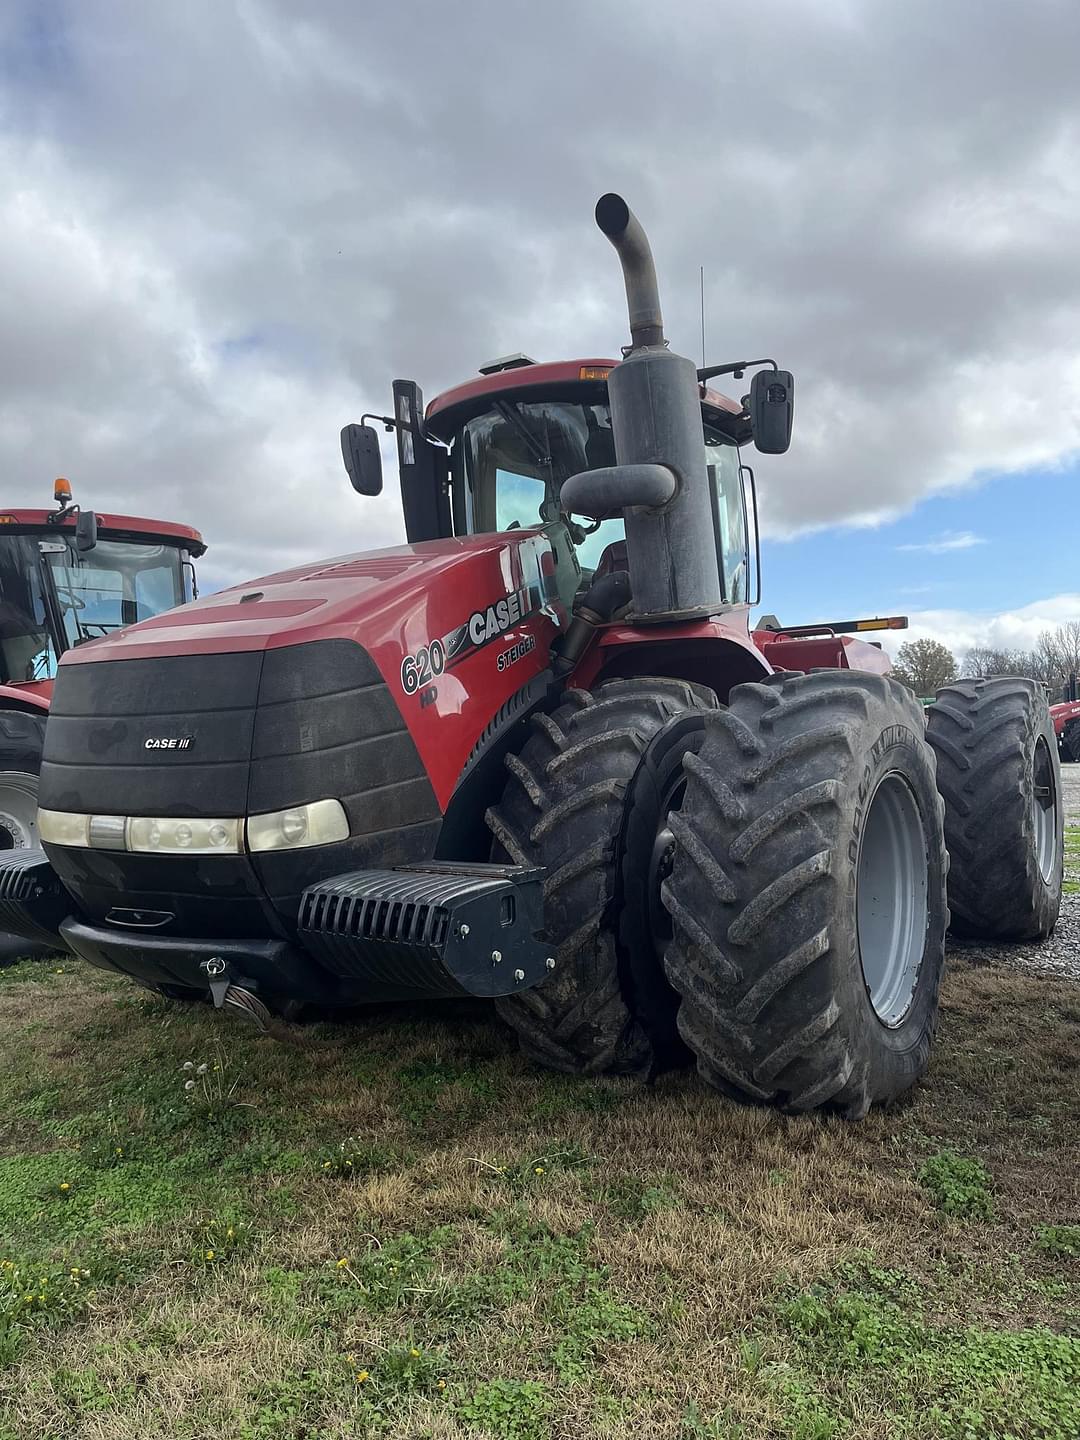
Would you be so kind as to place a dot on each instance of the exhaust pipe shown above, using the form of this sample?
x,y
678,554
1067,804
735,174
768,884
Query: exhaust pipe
x,y
623,229
672,528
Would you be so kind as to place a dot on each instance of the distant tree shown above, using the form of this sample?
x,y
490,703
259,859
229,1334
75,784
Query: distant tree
x,y
984,662
924,666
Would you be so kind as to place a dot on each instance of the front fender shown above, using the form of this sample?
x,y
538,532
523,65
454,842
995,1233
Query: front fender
x,y
18,697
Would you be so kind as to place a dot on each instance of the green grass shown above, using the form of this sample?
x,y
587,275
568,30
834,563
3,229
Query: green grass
x,y
397,1228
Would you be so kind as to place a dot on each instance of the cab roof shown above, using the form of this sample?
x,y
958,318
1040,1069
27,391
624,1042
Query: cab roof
x,y
113,527
558,379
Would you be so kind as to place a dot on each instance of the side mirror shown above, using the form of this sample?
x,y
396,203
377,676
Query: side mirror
x,y
85,530
772,401
363,458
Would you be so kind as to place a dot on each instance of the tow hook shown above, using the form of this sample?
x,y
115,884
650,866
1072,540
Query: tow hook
x,y
226,994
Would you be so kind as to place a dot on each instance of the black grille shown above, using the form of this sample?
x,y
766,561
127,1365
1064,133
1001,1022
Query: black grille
x,y
267,730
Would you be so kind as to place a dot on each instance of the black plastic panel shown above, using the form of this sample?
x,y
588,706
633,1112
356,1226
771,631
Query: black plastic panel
x,y
102,715
266,731
206,895
349,742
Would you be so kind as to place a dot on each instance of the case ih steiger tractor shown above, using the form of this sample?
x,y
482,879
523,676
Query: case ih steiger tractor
x,y
68,576
537,754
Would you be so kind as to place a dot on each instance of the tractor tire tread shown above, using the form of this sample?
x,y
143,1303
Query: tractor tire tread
x,y
984,733
582,758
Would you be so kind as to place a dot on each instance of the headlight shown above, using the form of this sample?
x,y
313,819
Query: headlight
x,y
58,827
320,823
184,836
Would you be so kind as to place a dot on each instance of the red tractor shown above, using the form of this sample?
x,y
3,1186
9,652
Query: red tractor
x,y
537,754
68,576
1066,718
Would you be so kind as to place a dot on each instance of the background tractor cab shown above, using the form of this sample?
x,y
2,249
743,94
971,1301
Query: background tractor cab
x,y
69,575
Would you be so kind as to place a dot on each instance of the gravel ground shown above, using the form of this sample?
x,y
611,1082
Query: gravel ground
x,y
1060,955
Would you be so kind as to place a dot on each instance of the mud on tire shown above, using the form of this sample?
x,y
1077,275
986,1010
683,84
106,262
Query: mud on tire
x,y
1000,776
582,799
810,813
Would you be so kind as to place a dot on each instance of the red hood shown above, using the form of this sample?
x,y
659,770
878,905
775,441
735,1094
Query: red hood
x,y
425,614
351,597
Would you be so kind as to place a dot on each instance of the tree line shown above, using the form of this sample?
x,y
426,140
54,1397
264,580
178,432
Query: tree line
x,y
925,665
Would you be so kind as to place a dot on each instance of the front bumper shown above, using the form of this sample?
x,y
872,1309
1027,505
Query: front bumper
x,y
273,968
421,932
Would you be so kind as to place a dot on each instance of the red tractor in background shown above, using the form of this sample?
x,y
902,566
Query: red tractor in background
x,y
1066,718
68,576
537,754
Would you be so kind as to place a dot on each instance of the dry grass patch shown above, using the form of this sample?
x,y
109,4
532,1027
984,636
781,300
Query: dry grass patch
x,y
396,1228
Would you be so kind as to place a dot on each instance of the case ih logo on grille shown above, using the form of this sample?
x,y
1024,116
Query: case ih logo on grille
x,y
168,742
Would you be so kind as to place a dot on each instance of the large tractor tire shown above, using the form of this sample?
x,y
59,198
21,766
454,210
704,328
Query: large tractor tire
x,y
808,894
22,736
589,798
1000,776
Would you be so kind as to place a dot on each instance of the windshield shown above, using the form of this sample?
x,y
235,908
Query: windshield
x,y
53,596
508,465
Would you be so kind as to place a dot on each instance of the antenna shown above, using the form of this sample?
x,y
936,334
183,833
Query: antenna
x,y
703,317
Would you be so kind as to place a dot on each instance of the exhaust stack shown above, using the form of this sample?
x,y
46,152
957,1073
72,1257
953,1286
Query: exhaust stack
x,y
623,229
672,539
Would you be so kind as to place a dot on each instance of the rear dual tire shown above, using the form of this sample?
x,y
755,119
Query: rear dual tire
x,y
1000,776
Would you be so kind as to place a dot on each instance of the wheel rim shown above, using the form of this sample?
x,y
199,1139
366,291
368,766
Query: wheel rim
x,y
661,861
1044,811
18,810
891,886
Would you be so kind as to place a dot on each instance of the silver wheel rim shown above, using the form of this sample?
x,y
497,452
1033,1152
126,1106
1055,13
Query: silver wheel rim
x,y
1044,811
891,886
18,810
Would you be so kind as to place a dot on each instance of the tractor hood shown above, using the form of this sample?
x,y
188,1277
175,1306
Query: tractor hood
x,y
373,680
453,627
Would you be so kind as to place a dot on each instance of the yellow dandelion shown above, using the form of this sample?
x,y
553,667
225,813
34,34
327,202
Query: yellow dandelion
x,y
119,1151
414,1353
209,1254
326,1165
64,1185
343,1262
362,1376
442,1385
539,1170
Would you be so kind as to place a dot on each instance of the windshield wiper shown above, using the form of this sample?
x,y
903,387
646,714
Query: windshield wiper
x,y
514,418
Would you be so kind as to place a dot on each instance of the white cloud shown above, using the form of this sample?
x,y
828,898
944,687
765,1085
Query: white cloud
x,y
950,540
963,630
225,229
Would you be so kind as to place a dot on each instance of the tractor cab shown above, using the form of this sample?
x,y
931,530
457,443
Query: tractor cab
x,y
494,453
69,575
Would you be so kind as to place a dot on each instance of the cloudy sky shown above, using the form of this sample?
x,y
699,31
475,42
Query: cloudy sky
x,y
226,225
